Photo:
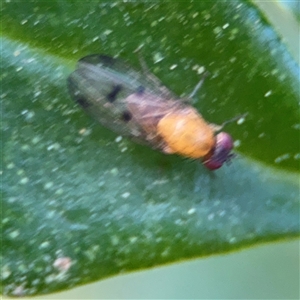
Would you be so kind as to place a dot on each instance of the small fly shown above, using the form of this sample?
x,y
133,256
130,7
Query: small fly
x,y
136,104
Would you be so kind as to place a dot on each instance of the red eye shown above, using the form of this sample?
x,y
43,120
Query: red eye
x,y
221,152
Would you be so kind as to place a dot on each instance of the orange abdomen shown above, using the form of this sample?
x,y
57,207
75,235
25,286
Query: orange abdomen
x,y
186,133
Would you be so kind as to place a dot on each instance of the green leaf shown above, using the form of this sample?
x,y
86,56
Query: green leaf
x,y
78,204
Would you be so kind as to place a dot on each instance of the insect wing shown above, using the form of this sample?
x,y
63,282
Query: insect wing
x,y
119,72
101,84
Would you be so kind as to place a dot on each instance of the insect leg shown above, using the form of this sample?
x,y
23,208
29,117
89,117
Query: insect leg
x,y
143,64
147,72
198,86
238,118
151,76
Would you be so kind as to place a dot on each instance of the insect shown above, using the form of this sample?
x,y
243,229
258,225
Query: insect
x,y
136,104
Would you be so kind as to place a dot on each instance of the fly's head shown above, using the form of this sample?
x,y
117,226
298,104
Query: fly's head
x,y
221,153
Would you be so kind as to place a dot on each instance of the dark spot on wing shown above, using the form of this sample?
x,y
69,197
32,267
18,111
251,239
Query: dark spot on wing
x,y
126,116
111,97
140,90
82,102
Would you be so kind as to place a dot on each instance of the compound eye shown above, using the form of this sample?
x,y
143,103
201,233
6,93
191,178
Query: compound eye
x,y
221,152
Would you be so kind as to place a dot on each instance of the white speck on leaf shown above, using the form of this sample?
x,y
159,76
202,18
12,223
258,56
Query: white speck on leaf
x,y
14,234
281,158
210,217
267,94
24,180
240,121
191,211
157,57
62,264
118,139
125,195
48,185
237,143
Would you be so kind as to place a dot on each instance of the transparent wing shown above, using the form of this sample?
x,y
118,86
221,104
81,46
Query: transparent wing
x,y
115,70
102,85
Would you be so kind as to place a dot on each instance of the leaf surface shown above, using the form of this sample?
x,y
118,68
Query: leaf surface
x,y
80,204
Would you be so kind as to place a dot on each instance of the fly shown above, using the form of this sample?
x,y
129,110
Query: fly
x,y
136,104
